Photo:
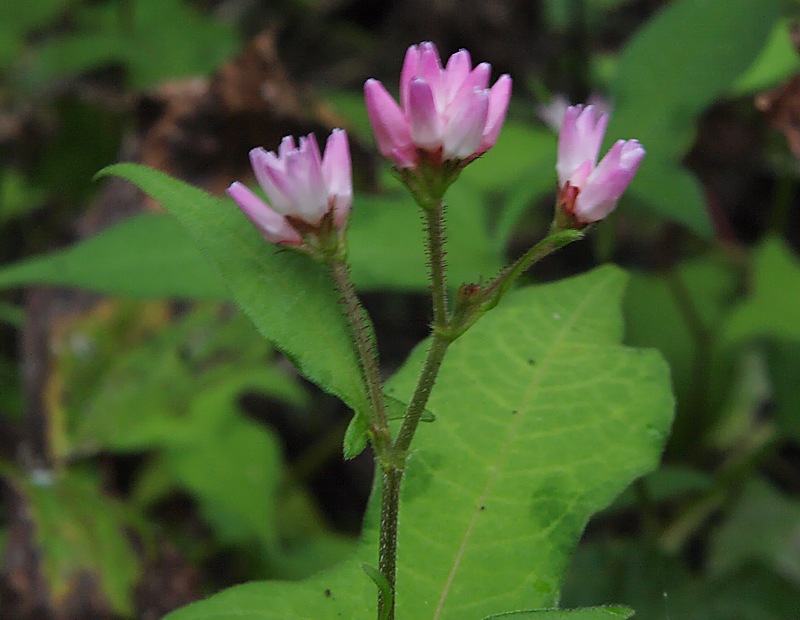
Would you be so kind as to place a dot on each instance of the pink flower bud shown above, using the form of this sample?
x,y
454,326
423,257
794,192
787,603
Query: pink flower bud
x,y
304,189
446,113
590,191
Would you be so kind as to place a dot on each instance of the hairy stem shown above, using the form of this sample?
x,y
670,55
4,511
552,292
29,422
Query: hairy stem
x,y
393,472
387,545
434,226
472,306
441,327
552,242
361,331
427,378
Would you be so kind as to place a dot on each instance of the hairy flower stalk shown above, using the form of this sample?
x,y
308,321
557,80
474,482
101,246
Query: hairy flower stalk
x,y
446,114
589,191
310,196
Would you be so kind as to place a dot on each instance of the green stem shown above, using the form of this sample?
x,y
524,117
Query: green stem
x,y
361,331
387,545
552,242
441,330
427,378
490,295
434,225
393,472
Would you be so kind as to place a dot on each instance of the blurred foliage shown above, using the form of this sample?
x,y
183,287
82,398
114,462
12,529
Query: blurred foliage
x,y
148,39
81,532
710,535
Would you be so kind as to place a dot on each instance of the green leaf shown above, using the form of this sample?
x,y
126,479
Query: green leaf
x,y
770,308
383,586
542,417
783,360
290,299
151,255
81,533
662,87
154,41
591,613
659,586
693,296
11,314
147,256
752,593
656,585
18,18
17,195
776,517
234,473
396,410
189,373
777,61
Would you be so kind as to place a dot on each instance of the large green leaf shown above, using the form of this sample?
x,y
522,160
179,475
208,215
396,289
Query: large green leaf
x,y
589,613
290,299
542,417
148,255
671,70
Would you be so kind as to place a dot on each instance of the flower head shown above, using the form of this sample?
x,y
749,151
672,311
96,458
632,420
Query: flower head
x,y
309,194
589,191
445,113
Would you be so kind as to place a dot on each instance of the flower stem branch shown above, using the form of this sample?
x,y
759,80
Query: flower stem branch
x,y
364,339
552,242
472,306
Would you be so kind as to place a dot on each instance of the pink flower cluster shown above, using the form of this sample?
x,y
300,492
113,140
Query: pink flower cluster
x,y
445,114
590,191
304,188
